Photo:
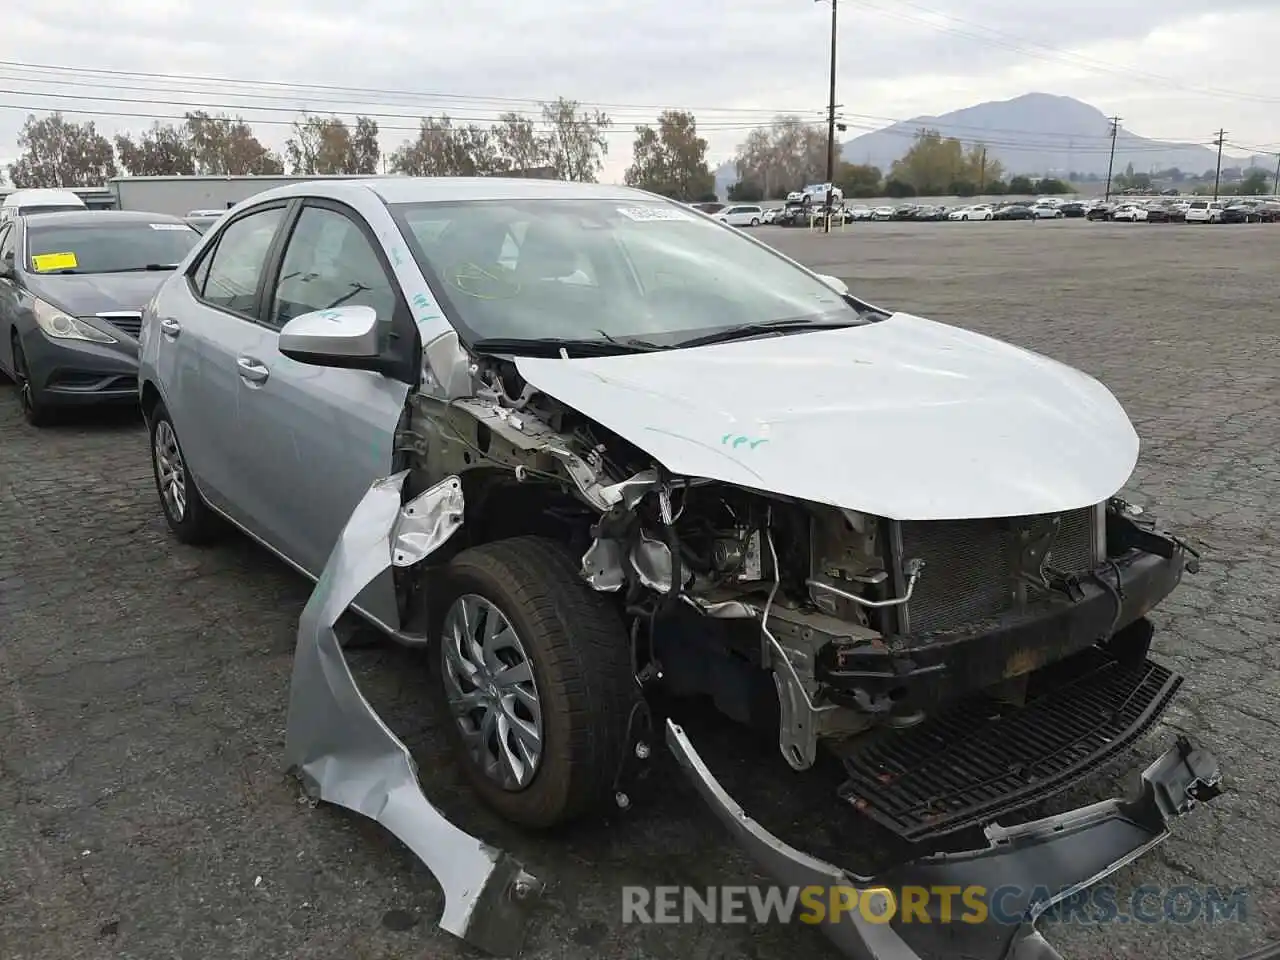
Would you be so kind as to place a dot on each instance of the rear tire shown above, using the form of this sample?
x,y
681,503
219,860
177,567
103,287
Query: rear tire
x,y
184,509
755,221
580,691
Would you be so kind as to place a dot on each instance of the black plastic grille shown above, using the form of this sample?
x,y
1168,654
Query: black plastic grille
x,y
969,569
128,323
985,757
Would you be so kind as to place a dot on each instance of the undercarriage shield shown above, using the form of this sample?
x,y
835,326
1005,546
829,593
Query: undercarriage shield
x,y
1031,867
347,756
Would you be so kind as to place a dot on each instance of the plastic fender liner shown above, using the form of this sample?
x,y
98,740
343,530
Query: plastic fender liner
x,y
347,756
1060,854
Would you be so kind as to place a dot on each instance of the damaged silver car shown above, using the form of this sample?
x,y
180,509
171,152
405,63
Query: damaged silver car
x,y
603,456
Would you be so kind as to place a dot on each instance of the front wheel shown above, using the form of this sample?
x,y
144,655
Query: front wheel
x,y
33,409
184,509
535,675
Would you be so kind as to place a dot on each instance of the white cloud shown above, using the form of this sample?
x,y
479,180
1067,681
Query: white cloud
x,y
733,61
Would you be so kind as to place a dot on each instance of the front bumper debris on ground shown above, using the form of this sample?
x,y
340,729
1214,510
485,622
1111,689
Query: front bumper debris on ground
x,y
347,756
1060,854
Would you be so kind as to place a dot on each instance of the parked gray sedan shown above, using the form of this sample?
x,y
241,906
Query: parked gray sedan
x,y
72,286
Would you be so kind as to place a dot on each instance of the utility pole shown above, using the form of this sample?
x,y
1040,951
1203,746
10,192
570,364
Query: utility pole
x,y
982,174
831,120
1275,189
1217,176
1111,164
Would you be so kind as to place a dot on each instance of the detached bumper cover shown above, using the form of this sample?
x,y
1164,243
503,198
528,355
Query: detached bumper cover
x,y
347,756
1061,855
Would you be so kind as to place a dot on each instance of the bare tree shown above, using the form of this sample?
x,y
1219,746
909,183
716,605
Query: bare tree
x,y
61,153
226,146
326,145
521,146
576,140
783,156
442,149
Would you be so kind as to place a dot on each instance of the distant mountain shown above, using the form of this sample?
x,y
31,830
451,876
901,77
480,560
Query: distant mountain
x,y
1035,133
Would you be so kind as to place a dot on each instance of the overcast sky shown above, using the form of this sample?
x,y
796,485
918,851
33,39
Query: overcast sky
x,y
1169,69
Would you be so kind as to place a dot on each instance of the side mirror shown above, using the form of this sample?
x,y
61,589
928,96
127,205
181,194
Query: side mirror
x,y
835,283
345,337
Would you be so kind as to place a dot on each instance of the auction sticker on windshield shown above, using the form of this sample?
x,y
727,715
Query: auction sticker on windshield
x,y
645,214
44,262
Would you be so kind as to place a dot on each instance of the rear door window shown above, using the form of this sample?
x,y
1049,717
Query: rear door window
x,y
235,268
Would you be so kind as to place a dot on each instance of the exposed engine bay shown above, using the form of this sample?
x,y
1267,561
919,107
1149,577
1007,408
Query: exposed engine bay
x,y
851,621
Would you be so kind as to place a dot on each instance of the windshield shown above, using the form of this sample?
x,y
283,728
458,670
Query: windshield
x,y
604,270
108,247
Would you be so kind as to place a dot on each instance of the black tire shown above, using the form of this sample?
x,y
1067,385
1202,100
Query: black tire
x,y
196,524
579,651
755,221
34,411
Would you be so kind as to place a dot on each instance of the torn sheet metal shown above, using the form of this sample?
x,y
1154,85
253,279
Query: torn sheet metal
x,y
1030,867
347,756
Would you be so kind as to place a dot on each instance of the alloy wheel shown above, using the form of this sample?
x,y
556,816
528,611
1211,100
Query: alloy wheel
x,y
491,690
22,379
171,471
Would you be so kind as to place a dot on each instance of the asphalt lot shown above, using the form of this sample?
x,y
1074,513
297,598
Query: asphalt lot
x,y
143,809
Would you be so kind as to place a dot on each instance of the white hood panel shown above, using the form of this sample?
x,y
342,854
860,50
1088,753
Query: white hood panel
x,y
906,418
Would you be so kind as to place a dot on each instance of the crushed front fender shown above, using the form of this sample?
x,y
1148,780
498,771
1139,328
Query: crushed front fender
x,y
346,755
1032,866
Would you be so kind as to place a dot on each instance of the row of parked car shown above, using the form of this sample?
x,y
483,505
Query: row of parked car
x,y
1189,210
1159,210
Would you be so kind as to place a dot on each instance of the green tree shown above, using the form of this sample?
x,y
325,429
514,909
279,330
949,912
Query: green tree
x,y
671,159
1254,184
1021,186
898,189
225,146
1050,186
162,151
522,148
934,163
859,180
746,191
996,188
57,152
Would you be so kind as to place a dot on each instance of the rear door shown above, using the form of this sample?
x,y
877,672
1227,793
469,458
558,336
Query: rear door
x,y
200,328
311,439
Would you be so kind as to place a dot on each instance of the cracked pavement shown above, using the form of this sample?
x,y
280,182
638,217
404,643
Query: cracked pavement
x,y
143,684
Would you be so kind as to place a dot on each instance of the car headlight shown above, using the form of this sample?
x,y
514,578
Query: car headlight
x,y
61,326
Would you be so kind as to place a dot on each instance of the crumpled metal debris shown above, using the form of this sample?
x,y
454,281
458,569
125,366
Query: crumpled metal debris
x,y
347,756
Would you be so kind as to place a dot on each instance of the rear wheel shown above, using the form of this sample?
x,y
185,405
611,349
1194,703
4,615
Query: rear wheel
x,y
184,509
535,675
755,221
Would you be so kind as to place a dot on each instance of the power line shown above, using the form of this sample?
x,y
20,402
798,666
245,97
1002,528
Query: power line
x,y
380,93
736,116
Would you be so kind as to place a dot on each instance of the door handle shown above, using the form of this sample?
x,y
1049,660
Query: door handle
x,y
251,370
170,327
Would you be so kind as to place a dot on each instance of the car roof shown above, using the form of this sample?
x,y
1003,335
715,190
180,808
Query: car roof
x,y
35,195
395,189
81,218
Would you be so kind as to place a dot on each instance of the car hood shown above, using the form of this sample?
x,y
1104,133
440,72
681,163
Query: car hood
x,y
905,418
97,292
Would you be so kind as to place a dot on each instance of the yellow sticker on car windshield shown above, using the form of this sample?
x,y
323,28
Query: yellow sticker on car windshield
x,y
44,262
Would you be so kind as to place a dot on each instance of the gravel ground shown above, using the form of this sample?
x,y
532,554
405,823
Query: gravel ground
x,y
143,811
